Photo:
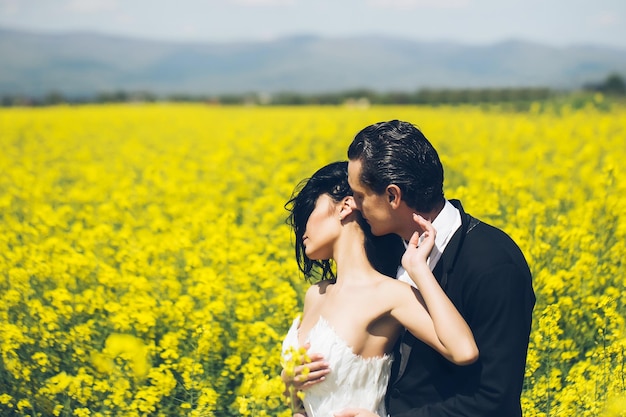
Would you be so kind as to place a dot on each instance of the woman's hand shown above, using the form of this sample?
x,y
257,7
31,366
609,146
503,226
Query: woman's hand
x,y
419,246
313,371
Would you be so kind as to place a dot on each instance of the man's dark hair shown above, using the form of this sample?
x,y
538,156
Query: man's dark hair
x,y
383,252
397,152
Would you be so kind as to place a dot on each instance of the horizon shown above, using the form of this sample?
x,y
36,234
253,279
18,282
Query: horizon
x,y
295,35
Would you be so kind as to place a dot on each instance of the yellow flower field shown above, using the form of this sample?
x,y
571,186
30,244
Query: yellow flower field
x,y
147,270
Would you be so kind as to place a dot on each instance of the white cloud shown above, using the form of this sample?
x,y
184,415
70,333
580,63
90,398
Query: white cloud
x,y
91,6
419,4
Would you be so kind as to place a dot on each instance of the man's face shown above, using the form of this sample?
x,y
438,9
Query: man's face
x,y
375,208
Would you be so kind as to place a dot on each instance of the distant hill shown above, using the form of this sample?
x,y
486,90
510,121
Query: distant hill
x,y
88,63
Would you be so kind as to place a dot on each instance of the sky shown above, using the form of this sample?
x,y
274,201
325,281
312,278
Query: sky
x,y
552,22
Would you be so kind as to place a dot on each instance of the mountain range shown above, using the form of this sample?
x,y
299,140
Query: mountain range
x,y
85,63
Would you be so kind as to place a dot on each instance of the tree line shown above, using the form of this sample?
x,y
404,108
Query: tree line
x,y
613,85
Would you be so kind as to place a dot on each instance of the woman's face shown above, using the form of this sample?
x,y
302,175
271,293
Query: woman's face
x,y
322,229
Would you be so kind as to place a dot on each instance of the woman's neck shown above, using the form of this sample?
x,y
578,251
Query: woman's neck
x,y
350,256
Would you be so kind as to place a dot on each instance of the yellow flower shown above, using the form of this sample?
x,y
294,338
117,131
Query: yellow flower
x,y
147,263
82,412
23,404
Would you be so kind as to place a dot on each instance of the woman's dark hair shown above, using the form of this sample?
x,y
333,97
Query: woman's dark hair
x,y
383,252
397,152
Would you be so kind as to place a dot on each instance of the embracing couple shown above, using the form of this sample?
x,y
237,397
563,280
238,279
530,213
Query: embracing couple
x,y
449,336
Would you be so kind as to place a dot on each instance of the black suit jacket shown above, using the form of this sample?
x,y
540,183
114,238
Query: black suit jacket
x,y
487,278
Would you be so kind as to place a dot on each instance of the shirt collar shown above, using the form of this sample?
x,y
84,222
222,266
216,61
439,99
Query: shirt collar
x,y
446,223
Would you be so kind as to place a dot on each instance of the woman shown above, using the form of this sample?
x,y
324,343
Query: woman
x,y
354,318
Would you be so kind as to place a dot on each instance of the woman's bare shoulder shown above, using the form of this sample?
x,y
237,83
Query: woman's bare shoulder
x,y
319,288
393,284
397,290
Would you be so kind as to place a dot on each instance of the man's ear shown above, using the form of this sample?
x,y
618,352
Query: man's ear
x,y
394,195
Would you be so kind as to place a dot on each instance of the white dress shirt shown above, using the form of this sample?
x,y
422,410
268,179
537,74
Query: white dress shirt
x,y
446,223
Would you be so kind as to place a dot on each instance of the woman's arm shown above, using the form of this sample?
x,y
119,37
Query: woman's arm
x,y
428,313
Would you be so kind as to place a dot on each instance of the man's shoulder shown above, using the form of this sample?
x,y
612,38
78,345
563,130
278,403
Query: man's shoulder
x,y
485,244
485,234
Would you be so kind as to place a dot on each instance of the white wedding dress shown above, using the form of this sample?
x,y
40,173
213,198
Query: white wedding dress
x,y
353,381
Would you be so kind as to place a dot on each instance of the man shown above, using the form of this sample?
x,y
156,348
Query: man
x,y
394,172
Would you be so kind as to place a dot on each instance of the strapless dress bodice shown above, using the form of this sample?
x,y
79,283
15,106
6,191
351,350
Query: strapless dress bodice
x,y
353,382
